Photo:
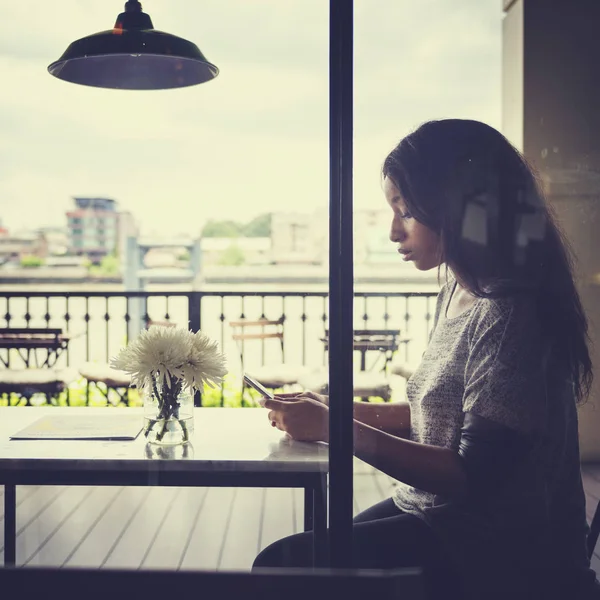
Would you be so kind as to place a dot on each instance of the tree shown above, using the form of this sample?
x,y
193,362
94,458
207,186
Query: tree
x,y
232,256
221,229
259,226
30,261
110,265
184,255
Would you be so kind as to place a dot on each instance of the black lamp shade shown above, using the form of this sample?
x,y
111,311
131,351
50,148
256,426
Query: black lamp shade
x,y
133,56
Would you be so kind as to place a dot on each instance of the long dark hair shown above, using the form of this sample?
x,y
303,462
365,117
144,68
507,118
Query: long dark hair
x,y
465,181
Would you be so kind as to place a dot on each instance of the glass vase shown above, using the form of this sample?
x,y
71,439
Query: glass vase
x,y
162,452
168,415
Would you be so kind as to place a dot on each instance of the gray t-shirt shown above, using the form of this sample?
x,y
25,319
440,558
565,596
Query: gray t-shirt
x,y
488,360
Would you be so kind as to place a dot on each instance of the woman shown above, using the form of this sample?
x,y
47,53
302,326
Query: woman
x,y
490,499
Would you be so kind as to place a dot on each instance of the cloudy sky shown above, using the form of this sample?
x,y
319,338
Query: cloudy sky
x,y
253,140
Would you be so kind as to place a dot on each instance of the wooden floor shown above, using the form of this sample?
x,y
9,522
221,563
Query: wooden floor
x,y
178,528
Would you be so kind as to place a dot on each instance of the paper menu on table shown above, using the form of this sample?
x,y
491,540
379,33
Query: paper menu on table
x,y
82,427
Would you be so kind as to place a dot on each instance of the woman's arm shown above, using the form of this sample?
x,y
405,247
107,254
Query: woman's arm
x,y
429,468
392,417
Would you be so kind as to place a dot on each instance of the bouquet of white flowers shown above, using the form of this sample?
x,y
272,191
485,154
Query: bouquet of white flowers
x,y
165,362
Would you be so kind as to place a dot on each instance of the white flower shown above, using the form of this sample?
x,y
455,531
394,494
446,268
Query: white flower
x,y
169,353
205,364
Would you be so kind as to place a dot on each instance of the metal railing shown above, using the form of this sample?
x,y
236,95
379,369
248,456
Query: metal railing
x,y
100,323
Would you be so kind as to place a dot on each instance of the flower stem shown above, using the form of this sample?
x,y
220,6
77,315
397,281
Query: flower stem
x,y
186,434
161,434
159,398
149,426
168,408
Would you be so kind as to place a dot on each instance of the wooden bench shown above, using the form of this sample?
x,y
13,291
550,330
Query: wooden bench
x,y
106,379
366,384
35,374
27,382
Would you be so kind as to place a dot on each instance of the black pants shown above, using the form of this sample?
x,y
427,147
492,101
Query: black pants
x,y
383,538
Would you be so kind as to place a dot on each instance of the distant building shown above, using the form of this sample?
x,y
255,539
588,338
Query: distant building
x,y
255,250
57,240
15,246
96,228
127,227
299,238
65,261
372,243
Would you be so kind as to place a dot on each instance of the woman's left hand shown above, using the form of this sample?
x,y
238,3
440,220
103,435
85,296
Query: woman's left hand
x,y
302,418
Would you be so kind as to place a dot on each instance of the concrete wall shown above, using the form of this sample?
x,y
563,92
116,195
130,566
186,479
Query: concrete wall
x,y
551,101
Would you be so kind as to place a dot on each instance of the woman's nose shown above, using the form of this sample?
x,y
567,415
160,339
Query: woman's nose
x,y
397,232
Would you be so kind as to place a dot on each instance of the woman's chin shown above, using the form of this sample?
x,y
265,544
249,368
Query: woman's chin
x,y
425,265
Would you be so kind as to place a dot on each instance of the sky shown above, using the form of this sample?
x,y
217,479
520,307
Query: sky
x,y
254,139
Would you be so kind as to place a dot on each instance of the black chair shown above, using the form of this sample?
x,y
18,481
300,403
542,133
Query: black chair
x,y
268,584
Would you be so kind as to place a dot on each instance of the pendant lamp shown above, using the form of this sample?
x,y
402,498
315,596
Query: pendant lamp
x,y
133,56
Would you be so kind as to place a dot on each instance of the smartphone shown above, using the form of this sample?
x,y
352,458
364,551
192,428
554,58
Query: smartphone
x,y
258,387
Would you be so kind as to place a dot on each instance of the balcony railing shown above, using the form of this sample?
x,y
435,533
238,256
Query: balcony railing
x,y
100,323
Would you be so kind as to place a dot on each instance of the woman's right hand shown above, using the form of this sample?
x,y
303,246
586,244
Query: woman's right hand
x,y
306,394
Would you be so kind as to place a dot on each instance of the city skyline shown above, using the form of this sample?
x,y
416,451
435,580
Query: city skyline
x,y
252,141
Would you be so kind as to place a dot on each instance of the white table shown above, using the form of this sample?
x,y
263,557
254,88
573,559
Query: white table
x,y
231,447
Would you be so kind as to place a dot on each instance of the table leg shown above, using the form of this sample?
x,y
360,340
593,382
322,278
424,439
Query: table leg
x,y
320,544
10,524
308,508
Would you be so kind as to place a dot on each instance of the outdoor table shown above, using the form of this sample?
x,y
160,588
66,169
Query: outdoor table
x,y
27,342
230,447
383,341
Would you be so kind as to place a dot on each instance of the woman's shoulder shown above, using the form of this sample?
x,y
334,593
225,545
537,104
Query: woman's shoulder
x,y
517,305
514,316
